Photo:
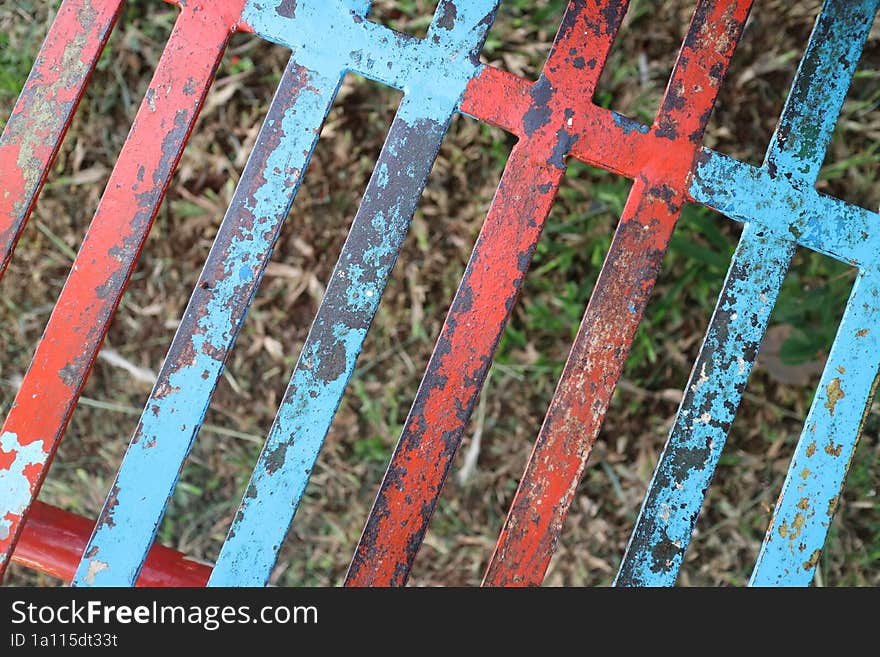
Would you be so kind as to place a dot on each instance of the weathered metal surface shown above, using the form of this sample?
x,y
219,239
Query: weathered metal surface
x,y
439,68
52,541
553,118
775,215
549,123
39,120
812,488
82,315
176,408
789,211
574,417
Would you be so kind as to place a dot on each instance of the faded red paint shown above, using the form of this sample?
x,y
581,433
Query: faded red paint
x,y
52,541
536,517
40,118
550,116
82,315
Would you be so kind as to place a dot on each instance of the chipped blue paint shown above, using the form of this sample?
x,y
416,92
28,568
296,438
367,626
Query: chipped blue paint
x,y
781,209
711,398
15,488
177,406
451,48
777,202
630,125
792,212
356,286
814,482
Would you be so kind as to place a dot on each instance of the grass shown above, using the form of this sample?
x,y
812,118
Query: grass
x,y
533,348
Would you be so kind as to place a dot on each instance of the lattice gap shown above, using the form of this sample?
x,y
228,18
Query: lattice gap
x,y
412,17
644,49
523,52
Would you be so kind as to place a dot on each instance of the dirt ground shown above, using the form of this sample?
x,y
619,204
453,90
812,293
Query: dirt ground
x,y
522,380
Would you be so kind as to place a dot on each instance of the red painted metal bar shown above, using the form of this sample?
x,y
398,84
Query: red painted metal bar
x,y
39,120
536,517
544,115
52,541
81,317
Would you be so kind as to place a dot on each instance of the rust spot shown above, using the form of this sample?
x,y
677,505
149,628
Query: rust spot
x,y
447,19
810,563
286,8
783,529
275,460
109,506
811,449
797,525
831,449
832,506
834,393
861,333
804,504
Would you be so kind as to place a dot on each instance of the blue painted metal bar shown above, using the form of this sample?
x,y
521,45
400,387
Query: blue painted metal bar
x,y
814,482
781,208
396,59
173,415
791,212
355,289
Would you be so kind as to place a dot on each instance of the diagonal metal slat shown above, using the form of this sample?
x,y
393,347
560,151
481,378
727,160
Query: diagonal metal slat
x,y
553,119
130,518
722,369
486,295
39,120
82,314
814,483
576,412
352,298
179,401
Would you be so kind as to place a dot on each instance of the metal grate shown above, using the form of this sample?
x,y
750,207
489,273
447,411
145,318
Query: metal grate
x,y
554,118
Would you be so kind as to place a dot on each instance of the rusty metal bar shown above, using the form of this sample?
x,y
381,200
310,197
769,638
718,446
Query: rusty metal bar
x,y
448,54
617,304
177,405
216,312
721,372
553,118
45,108
81,317
812,489
493,277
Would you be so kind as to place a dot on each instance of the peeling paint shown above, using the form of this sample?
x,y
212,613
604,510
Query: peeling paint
x,y
554,119
485,298
833,393
766,200
116,235
40,118
355,289
213,318
595,363
15,485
